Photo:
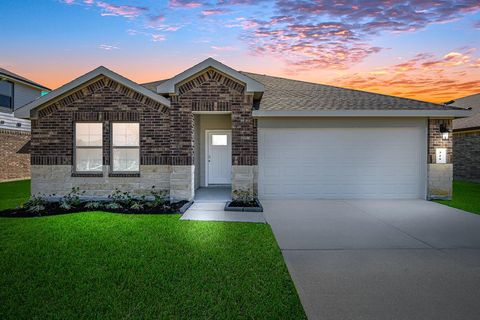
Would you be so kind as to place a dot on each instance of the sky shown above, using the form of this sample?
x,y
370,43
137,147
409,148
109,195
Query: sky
x,y
427,50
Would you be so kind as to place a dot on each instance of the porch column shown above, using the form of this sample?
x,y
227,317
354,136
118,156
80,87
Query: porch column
x,y
182,151
244,148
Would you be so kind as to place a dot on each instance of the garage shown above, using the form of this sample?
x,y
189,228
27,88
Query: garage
x,y
342,158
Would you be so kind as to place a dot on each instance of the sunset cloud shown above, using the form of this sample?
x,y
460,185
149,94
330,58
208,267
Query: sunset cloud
x,y
189,4
425,76
108,47
209,12
126,11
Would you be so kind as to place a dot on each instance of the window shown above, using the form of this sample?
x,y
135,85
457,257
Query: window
x,y
219,139
88,147
6,94
126,147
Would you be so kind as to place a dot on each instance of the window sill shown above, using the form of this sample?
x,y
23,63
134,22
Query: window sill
x,y
88,174
124,174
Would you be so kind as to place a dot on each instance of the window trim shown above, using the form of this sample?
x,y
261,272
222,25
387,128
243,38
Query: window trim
x,y
12,100
75,172
114,173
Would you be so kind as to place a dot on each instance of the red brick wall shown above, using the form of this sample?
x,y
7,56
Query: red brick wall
x,y
105,101
12,164
435,139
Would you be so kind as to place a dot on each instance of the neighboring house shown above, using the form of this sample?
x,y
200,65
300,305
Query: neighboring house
x,y
211,125
15,91
466,140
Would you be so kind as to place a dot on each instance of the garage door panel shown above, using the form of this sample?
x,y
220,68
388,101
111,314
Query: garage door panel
x,y
336,163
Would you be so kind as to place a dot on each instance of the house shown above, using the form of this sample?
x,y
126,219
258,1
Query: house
x,y
466,140
213,125
15,91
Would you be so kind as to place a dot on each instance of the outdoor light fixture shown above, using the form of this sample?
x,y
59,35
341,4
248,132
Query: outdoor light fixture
x,y
444,131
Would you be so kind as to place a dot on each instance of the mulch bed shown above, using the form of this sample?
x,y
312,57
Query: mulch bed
x,y
53,208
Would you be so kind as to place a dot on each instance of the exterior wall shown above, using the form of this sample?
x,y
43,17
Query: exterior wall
x,y
57,180
13,165
466,150
440,176
23,94
245,178
101,101
212,91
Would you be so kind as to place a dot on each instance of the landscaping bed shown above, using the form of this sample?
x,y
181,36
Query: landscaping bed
x,y
118,202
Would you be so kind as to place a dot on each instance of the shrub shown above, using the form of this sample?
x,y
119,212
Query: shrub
x,y
160,197
71,199
93,205
36,204
244,196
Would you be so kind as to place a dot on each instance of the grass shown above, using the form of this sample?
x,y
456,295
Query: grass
x,y
113,266
13,194
466,196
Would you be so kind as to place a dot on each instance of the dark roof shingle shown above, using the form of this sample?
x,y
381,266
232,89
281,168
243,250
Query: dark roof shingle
x,y
12,75
292,95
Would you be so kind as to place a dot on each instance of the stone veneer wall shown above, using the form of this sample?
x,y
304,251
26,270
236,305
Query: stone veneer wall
x,y
466,148
13,165
440,175
58,180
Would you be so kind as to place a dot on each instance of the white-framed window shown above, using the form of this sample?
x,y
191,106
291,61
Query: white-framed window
x,y
88,147
125,147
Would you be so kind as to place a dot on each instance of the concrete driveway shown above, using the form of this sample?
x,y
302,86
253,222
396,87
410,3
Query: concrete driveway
x,y
380,259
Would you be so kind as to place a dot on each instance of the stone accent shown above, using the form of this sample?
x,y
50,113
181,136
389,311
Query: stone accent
x,y
57,179
466,150
13,165
440,176
245,178
182,183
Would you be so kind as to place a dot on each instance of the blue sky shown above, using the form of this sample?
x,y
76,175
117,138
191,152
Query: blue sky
x,y
402,47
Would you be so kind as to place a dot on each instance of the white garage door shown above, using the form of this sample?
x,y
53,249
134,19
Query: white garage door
x,y
342,163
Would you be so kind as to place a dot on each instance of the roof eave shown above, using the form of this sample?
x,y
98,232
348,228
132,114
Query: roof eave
x,y
364,113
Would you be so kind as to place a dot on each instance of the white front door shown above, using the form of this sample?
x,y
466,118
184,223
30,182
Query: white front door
x,y
219,157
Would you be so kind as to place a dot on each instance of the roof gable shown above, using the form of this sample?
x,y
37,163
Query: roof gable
x,y
25,111
170,86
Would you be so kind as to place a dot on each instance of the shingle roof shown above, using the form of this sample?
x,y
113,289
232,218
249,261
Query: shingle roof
x,y
20,78
283,94
473,121
152,86
292,95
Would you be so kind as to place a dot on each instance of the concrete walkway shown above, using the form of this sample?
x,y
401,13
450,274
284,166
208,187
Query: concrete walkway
x,y
213,211
380,259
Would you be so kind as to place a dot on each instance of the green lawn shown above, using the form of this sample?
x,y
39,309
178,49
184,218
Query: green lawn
x,y
466,196
13,194
113,266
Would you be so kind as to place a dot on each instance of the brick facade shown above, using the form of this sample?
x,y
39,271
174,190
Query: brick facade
x,y
13,165
440,175
212,91
104,101
466,148
435,139
166,134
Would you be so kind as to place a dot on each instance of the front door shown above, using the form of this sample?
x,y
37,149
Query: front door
x,y
219,157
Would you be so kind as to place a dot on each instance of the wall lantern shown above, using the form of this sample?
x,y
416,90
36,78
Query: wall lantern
x,y
444,131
